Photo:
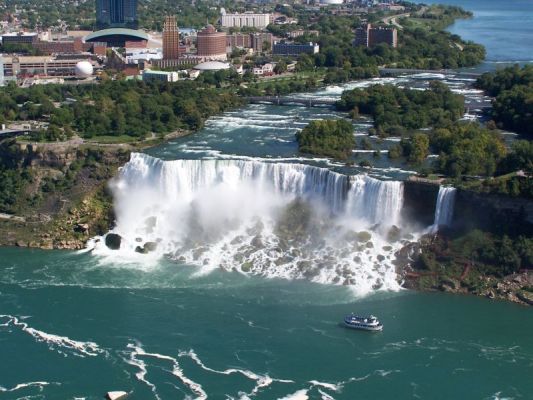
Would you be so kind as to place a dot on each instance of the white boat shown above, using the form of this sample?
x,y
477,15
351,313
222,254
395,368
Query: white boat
x,y
369,323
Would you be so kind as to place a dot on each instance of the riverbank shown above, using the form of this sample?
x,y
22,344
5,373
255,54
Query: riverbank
x,y
459,276
482,247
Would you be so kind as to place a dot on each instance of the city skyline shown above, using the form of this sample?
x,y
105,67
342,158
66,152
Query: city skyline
x,y
116,14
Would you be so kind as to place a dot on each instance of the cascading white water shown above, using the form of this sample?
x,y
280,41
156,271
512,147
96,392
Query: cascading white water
x,y
271,219
444,207
375,201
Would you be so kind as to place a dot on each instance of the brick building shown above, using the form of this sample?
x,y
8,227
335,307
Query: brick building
x,y
369,36
171,39
211,44
253,41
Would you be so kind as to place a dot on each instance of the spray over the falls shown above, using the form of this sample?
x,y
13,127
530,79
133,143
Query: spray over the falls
x,y
269,219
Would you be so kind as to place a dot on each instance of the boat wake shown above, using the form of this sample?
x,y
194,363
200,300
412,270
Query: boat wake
x,y
39,385
61,344
262,382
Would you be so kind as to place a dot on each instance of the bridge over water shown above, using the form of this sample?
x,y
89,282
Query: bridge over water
x,y
309,102
290,100
408,71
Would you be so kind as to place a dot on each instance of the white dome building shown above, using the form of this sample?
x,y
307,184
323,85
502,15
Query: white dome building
x,y
212,66
84,69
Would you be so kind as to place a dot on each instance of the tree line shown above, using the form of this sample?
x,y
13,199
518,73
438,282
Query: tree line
x,y
332,138
397,111
512,107
115,108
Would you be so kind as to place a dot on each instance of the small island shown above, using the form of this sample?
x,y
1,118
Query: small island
x,y
332,138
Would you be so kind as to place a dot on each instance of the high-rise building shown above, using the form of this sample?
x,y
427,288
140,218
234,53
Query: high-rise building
x,y
171,39
251,20
116,14
211,44
369,36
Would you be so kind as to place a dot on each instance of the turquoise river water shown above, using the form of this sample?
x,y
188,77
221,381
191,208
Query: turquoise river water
x,y
72,328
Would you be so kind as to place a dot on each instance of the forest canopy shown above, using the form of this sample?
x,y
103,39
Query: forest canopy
x,y
513,103
115,108
333,138
398,110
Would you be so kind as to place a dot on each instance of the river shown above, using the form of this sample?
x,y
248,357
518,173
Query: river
x,y
74,329
231,305
504,27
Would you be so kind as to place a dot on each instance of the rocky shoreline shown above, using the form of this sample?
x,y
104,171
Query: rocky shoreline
x,y
516,287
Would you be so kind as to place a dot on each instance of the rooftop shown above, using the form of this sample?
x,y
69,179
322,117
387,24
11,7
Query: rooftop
x,y
94,36
12,34
211,66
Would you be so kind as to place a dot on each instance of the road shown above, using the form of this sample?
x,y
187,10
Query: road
x,y
392,19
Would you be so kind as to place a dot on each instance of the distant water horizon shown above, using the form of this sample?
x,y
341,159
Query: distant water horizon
x,y
505,28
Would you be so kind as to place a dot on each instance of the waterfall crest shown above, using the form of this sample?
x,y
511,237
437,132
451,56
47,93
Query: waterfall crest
x,y
270,219
444,207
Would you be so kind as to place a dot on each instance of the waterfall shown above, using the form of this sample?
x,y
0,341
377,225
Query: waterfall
x,y
379,202
267,218
444,207
183,179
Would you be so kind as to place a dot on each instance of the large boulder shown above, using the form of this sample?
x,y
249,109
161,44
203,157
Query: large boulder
x,y
147,248
82,228
150,246
113,241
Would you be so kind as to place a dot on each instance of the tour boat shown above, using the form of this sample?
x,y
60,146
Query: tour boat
x,y
369,323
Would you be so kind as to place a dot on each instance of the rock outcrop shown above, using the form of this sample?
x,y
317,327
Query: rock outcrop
x,y
113,241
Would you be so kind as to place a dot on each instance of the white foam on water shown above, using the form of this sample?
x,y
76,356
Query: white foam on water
x,y
136,349
39,385
498,396
56,342
331,386
428,76
325,396
137,352
298,395
262,381
231,214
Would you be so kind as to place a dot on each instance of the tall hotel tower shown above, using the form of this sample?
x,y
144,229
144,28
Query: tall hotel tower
x,y
171,39
116,14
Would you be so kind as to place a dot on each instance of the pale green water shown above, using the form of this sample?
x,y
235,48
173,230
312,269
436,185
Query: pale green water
x,y
433,346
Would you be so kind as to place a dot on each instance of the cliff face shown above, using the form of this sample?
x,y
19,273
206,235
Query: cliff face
x,y
420,199
493,213
488,212
66,200
60,156
450,260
